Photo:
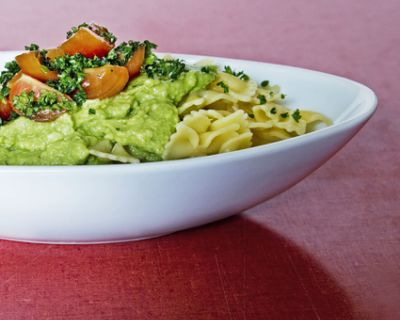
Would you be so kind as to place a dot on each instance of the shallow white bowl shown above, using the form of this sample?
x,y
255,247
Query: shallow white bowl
x,y
111,203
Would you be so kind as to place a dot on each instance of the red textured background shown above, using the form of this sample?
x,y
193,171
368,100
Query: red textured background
x,y
329,248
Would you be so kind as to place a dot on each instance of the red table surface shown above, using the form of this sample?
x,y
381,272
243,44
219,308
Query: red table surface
x,y
326,249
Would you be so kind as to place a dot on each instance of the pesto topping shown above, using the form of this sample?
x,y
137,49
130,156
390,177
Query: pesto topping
x,y
224,86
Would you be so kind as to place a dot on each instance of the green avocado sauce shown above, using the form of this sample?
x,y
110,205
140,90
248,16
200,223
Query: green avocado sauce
x,y
141,118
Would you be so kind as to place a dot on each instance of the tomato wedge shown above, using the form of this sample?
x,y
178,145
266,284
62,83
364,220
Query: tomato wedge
x,y
105,81
135,62
25,83
30,64
5,109
54,53
87,43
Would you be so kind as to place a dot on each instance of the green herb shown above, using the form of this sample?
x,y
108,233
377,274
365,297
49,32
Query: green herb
x,y
28,105
262,99
209,69
285,115
224,86
71,74
273,110
121,54
99,30
165,69
241,75
265,83
296,115
32,47
251,115
92,111
11,68
283,96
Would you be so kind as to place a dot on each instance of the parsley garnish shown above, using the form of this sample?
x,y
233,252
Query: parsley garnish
x,y
283,96
11,68
285,115
265,83
209,69
32,47
165,69
241,75
92,111
273,110
262,99
296,115
71,74
28,105
224,86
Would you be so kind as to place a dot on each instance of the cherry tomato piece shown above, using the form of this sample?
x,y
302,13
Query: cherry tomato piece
x,y
105,81
135,62
5,109
25,83
87,43
30,64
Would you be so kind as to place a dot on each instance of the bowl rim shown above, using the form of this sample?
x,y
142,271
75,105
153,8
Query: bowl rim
x,y
366,96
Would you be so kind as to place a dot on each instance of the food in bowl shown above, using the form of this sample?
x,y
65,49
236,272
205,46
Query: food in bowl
x,y
89,101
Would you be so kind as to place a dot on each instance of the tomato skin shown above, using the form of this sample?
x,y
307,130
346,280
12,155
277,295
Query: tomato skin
x,y
54,53
135,62
105,81
26,83
87,43
5,109
30,64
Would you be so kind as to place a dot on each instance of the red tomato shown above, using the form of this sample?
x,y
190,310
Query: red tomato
x,y
30,64
5,109
135,62
24,83
87,43
54,53
105,81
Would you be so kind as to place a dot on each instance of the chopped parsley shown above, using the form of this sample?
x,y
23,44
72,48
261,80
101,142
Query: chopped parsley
x,y
296,115
29,106
121,54
241,75
262,99
273,110
283,96
11,68
71,74
224,86
99,30
165,69
32,47
209,69
265,83
285,115
92,111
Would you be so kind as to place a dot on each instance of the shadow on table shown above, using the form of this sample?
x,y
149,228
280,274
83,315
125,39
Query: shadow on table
x,y
256,273
233,269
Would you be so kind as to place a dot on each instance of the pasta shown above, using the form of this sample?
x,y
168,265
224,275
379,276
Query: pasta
x,y
234,113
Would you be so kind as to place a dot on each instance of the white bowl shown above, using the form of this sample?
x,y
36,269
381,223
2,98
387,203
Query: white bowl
x,y
83,204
